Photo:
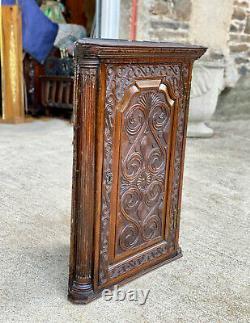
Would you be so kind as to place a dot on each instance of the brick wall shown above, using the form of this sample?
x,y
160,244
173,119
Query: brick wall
x,y
239,35
170,20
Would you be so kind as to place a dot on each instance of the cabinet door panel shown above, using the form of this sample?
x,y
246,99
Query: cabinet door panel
x,y
143,137
143,124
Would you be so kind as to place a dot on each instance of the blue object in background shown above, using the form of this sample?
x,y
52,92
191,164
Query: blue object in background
x,y
39,32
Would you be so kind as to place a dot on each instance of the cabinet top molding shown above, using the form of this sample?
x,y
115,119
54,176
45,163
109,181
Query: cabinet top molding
x,y
107,48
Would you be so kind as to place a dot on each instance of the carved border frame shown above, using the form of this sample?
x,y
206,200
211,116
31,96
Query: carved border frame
x,y
118,78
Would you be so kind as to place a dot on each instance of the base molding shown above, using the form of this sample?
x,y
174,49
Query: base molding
x,y
80,293
83,294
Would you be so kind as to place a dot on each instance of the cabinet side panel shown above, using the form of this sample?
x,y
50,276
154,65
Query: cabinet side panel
x,y
99,167
186,75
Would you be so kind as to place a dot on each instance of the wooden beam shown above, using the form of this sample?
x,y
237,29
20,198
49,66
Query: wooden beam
x,y
12,64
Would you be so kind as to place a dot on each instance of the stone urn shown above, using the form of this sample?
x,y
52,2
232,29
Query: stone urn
x,y
207,83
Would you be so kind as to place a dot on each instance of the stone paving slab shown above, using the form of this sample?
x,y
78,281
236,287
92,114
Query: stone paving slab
x,y
209,284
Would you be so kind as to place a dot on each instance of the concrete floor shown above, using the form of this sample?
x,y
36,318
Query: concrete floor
x,y
209,284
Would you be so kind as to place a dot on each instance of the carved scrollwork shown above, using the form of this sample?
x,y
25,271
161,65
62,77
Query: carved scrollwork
x,y
132,165
143,160
135,119
153,194
160,118
130,201
156,160
151,227
129,236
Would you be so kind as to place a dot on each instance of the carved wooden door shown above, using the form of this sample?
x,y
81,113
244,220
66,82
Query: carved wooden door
x,y
143,125
140,132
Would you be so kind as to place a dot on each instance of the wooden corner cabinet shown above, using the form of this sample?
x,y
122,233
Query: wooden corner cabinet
x,y
131,109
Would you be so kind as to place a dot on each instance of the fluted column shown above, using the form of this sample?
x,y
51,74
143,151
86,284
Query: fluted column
x,y
85,100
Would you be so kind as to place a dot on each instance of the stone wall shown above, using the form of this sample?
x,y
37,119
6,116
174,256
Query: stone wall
x,y
189,21
239,35
221,25
164,20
